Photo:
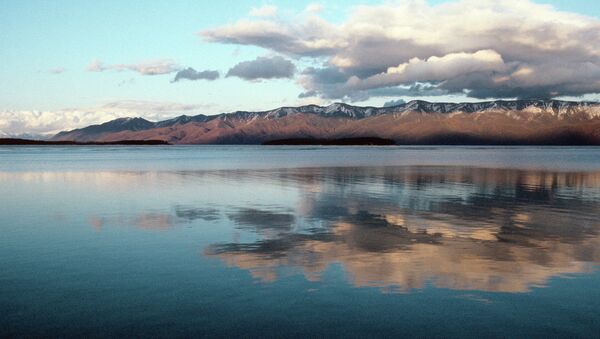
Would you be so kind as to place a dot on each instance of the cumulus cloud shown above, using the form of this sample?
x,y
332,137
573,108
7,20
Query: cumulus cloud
x,y
264,11
263,68
191,74
433,69
52,122
482,48
151,67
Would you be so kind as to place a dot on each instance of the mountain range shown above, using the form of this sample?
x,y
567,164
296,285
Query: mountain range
x,y
552,122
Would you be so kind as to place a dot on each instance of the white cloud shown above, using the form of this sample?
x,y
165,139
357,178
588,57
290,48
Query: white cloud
x,y
281,37
434,69
314,8
536,50
51,122
150,67
264,11
95,66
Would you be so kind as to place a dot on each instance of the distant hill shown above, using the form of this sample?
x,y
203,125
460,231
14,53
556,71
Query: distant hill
x,y
528,122
332,142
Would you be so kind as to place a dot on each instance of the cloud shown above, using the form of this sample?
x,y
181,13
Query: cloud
x,y
433,69
52,122
95,66
277,36
57,70
483,49
264,11
314,8
150,106
191,74
263,68
393,103
333,83
151,67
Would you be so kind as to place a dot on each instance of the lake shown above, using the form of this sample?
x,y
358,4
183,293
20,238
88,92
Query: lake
x,y
180,241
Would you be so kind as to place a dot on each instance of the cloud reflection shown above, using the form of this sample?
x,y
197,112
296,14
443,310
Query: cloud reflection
x,y
402,228
263,219
197,213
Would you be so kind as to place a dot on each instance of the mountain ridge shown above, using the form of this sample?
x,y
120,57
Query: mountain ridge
x,y
340,120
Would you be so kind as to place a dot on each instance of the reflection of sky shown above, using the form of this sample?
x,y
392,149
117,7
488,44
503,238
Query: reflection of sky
x,y
389,227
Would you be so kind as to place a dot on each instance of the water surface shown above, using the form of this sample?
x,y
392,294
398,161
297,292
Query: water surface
x,y
299,241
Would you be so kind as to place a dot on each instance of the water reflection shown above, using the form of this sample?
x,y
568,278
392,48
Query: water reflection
x,y
149,221
402,228
262,219
396,228
197,213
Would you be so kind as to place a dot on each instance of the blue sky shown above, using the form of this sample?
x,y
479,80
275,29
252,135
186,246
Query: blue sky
x,y
48,45
43,35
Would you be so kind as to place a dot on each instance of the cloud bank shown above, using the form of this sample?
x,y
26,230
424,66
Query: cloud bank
x,y
51,122
14,123
479,48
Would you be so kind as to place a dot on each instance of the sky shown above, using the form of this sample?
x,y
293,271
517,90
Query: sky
x,y
70,63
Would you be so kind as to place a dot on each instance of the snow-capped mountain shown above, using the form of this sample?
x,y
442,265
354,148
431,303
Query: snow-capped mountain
x,y
408,122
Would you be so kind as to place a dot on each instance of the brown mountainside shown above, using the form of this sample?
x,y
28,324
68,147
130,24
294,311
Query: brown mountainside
x,y
499,122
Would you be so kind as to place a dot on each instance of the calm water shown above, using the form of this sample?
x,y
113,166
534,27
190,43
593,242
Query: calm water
x,y
299,241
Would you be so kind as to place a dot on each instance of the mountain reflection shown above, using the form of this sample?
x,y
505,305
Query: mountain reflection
x,y
402,228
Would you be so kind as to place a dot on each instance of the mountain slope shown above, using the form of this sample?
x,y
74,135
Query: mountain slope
x,y
415,122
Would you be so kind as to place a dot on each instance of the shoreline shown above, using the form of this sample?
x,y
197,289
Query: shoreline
x,y
28,142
